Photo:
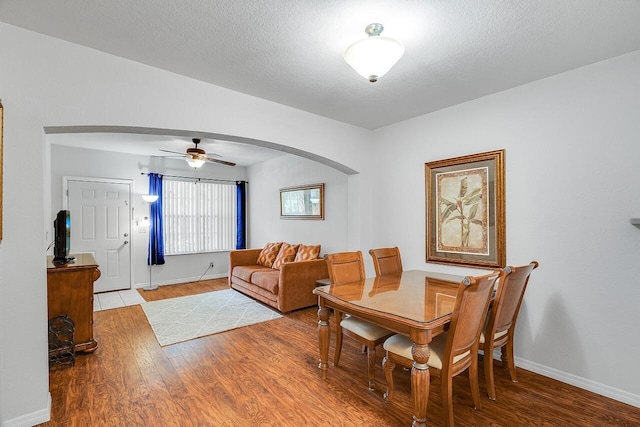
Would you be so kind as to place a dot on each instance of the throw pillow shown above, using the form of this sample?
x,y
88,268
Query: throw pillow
x,y
268,254
306,253
287,254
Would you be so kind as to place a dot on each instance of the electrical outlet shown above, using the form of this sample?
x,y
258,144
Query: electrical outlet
x,y
211,265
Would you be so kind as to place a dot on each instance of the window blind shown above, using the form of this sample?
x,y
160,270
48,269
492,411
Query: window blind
x,y
198,217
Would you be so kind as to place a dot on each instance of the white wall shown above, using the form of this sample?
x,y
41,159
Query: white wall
x,y
572,183
78,162
265,225
46,82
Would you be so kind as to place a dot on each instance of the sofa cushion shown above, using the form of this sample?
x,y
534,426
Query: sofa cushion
x,y
245,272
267,280
269,253
287,254
306,253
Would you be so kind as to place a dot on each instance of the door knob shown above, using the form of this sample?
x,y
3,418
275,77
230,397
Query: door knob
x,y
126,234
126,242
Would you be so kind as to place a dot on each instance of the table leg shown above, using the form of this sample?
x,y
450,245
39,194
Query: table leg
x,y
420,380
324,335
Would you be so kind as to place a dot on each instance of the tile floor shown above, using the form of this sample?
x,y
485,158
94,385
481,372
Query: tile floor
x,y
109,300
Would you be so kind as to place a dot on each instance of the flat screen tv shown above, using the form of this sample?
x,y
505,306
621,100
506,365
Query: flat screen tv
x,y
62,238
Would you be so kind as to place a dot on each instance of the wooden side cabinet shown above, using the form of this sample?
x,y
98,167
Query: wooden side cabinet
x,y
70,292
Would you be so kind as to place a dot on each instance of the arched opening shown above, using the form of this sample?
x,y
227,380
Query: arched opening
x,y
124,152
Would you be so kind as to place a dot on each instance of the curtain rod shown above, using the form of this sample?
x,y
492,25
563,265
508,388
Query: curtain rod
x,y
198,179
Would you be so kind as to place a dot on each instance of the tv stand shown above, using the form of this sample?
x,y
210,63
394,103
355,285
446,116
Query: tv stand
x,y
70,292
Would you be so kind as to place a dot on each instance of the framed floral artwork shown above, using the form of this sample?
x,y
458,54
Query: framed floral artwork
x,y
1,126
465,198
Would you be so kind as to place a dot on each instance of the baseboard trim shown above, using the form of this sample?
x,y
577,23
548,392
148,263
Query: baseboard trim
x,y
595,387
183,280
33,418
583,383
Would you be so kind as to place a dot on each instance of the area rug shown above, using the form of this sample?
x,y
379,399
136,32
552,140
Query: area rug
x,y
185,318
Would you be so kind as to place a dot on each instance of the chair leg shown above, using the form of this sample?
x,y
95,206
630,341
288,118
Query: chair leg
x,y
447,398
488,372
507,359
473,382
371,359
336,358
388,366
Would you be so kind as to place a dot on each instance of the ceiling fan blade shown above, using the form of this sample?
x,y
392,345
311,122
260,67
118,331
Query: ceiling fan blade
x,y
174,152
219,161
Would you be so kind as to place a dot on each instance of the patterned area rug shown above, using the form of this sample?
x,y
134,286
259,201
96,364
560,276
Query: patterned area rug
x,y
185,318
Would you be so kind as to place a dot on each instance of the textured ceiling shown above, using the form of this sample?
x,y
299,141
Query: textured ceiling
x,y
291,51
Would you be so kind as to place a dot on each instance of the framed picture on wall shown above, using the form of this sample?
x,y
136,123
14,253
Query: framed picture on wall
x,y
465,198
302,202
1,126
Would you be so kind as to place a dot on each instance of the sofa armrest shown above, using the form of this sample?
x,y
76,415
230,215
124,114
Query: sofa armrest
x,y
297,282
242,257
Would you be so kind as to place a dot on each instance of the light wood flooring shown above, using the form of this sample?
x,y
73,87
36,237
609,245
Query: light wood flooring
x,y
267,375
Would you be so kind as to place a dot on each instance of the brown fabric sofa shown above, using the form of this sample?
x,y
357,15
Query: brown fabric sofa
x,y
287,289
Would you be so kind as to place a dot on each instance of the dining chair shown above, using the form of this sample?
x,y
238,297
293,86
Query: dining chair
x,y
454,351
386,260
501,322
345,267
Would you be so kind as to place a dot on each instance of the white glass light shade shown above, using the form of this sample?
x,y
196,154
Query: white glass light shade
x,y
373,57
195,163
149,198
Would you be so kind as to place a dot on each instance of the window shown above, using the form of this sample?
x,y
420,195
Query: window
x,y
198,217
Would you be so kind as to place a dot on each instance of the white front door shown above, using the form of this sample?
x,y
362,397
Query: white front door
x,y
101,225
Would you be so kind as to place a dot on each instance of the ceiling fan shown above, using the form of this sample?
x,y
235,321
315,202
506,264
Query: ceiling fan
x,y
196,157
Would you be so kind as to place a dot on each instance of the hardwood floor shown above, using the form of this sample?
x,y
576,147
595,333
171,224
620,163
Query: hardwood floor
x,y
267,374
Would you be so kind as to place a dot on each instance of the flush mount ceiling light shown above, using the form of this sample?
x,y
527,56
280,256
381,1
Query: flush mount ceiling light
x,y
150,198
374,56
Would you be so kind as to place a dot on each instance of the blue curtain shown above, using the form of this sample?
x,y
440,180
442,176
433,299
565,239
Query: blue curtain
x,y
241,215
155,254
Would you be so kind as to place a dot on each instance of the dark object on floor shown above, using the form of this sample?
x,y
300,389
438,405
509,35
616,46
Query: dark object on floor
x,y
62,349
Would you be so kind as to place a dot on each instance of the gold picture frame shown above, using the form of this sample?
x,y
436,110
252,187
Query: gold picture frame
x,y
1,184
302,202
465,198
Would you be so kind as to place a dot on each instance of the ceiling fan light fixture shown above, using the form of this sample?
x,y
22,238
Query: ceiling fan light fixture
x,y
196,157
374,56
194,162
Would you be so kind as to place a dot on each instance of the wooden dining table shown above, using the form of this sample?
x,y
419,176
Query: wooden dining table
x,y
415,303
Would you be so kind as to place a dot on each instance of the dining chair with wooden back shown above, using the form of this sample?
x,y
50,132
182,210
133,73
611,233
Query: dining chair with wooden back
x,y
454,351
345,267
501,323
386,260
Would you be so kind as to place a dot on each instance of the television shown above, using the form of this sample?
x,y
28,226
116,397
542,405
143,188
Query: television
x,y
62,237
